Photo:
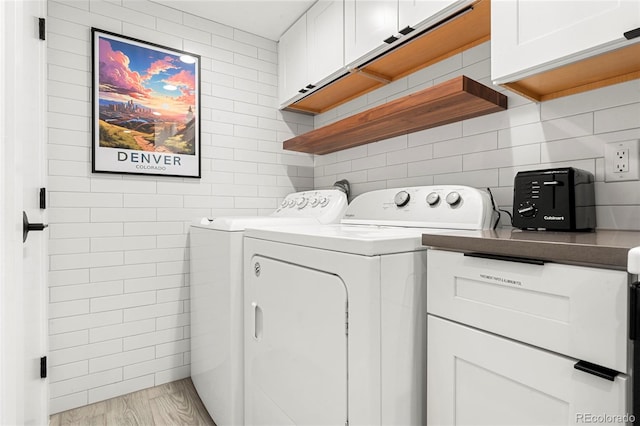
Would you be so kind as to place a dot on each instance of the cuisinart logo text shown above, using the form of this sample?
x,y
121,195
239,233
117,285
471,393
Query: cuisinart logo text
x,y
553,217
501,279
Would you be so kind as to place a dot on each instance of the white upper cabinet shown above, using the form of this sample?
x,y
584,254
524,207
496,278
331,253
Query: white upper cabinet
x,y
292,60
367,24
325,39
412,13
531,36
311,50
372,26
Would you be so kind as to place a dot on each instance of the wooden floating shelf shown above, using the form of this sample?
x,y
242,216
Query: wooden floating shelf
x,y
436,44
454,100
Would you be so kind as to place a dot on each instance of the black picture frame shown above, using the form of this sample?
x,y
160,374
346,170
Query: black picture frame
x,y
145,108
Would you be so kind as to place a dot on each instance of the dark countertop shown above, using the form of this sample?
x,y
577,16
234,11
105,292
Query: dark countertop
x,y
601,248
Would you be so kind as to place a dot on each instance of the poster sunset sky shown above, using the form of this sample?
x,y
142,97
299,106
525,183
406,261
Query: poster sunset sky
x,y
157,80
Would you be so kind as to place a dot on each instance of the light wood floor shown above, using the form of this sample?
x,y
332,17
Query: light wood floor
x,y
171,404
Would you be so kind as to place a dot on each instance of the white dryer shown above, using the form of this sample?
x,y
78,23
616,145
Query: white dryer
x,y
335,315
217,359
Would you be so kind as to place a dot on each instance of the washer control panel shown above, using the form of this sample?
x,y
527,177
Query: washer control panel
x,y
323,204
441,206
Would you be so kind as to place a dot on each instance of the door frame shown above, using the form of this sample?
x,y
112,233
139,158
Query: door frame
x,y
14,401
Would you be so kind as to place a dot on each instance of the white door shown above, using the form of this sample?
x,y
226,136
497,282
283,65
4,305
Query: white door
x,y
23,291
295,345
478,378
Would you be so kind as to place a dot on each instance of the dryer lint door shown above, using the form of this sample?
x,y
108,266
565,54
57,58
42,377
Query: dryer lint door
x,y
296,345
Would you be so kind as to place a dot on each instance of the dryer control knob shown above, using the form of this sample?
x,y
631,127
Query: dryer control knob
x,y
453,198
402,198
314,201
324,201
284,203
292,202
433,198
302,202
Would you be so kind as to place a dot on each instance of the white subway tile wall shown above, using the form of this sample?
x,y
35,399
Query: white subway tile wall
x,y
488,151
119,273
119,261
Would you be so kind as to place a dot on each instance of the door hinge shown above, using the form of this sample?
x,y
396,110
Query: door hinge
x,y
42,30
43,198
43,367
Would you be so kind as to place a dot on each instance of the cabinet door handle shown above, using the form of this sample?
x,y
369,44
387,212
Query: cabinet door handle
x,y
632,34
506,258
406,30
310,86
634,312
596,370
390,39
303,90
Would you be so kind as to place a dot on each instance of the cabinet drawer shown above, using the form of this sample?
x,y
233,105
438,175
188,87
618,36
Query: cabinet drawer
x,y
573,310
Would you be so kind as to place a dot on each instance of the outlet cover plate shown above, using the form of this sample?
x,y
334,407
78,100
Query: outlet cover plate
x,y
610,174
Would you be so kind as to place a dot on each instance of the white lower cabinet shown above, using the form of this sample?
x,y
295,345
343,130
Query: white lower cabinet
x,y
523,342
478,378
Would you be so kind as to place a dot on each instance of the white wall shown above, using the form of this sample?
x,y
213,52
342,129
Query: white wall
x,y
118,283
488,151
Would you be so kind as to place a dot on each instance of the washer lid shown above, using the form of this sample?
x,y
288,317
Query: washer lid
x,y
240,223
367,240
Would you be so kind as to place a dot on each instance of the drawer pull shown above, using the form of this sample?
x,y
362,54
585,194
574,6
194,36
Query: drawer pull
x,y
596,370
506,258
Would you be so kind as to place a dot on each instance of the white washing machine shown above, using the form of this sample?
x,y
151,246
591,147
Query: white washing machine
x,y
335,315
216,296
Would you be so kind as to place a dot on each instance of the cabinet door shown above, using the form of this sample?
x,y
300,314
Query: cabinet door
x,y
292,61
477,378
325,39
414,12
367,24
530,36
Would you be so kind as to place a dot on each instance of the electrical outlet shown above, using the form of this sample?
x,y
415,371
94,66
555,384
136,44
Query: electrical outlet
x,y
622,161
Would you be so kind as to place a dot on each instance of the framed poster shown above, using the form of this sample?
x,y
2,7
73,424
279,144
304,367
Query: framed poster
x,y
146,107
